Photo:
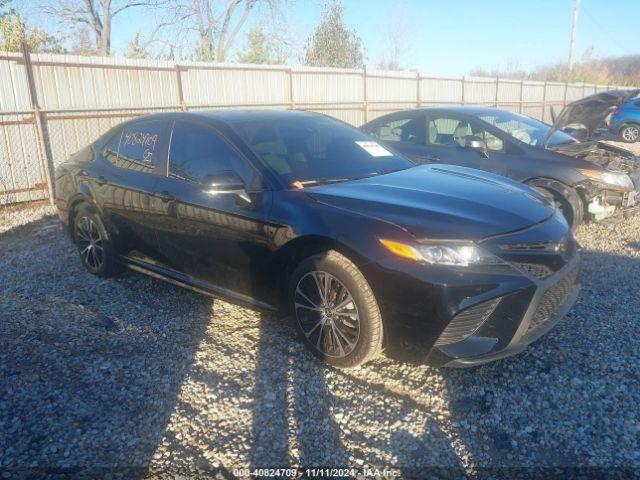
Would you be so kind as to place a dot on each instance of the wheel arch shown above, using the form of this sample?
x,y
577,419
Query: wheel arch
x,y
74,203
569,193
624,123
300,248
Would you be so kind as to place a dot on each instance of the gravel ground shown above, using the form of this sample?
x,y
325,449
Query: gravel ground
x,y
134,373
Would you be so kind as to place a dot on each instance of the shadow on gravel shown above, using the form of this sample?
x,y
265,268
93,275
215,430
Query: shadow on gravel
x,y
86,362
565,401
294,414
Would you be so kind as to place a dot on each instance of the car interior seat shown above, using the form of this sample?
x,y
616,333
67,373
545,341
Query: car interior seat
x,y
462,131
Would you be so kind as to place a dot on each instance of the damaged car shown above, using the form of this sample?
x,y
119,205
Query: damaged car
x,y
587,178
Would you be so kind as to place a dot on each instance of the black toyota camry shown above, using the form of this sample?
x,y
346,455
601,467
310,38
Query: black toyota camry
x,y
299,213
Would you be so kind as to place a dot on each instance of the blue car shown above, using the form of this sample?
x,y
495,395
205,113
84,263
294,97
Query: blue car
x,y
625,121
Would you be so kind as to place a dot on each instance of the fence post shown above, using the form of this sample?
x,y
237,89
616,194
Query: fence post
x,y
496,97
418,102
564,99
365,105
45,157
544,99
292,103
521,95
462,90
183,105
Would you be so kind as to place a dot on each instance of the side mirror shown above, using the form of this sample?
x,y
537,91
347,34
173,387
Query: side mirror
x,y
476,143
226,183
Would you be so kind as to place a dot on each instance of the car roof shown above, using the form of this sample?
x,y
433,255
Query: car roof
x,y
473,111
233,115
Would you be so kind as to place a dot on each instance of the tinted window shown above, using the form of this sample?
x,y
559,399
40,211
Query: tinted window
x,y
407,130
308,149
197,153
110,152
637,104
140,145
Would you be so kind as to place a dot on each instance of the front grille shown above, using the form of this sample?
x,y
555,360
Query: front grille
x,y
535,269
467,322
553,300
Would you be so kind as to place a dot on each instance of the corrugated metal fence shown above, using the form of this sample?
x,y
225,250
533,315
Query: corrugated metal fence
x,y
52,105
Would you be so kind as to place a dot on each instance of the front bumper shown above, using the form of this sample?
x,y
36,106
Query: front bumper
x,y
448,317
551,301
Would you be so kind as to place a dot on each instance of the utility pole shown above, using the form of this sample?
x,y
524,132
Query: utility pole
x,y
572,45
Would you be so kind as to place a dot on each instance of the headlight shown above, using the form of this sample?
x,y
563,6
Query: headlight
x,y
614,180
460,254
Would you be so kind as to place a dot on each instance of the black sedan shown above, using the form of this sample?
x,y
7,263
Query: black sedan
x,y
587,179
299,213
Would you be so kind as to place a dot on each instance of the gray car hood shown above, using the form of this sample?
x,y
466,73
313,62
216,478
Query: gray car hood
x,y
590,111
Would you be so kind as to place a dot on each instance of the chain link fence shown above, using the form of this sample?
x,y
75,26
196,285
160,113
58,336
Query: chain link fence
x,y
53,105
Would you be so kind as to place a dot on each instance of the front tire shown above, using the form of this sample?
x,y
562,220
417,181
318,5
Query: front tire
x,y
335,310
94,244
566,199
630,133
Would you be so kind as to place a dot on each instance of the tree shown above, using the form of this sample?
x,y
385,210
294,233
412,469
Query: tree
x,y
98,16
136,48
396,41
13,31
261,48
217,25
333,44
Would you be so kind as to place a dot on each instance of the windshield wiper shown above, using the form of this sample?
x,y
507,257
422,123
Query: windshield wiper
x,y
324,181
378,172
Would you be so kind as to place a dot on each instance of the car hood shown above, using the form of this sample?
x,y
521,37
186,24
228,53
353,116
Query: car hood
x,y
440,201
590,111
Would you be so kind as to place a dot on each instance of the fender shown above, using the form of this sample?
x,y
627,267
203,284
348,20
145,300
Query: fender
x,y
570,194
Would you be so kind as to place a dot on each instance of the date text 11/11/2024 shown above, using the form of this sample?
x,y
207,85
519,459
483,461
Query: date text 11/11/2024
x,y
319,472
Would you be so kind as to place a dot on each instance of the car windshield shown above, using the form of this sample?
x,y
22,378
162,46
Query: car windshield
x,y
526,129
312,150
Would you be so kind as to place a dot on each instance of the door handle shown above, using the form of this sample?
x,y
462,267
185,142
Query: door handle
x,y
101,180
164,195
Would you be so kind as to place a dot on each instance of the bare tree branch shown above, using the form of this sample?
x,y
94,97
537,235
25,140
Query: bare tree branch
x,y
217,24
98,14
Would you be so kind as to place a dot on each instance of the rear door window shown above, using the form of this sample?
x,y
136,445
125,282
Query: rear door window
x,y
141,145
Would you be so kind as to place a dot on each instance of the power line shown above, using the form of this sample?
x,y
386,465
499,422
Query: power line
x,y
602,29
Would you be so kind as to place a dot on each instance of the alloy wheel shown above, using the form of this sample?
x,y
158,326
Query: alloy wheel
x,y
90,243
631,133
327,314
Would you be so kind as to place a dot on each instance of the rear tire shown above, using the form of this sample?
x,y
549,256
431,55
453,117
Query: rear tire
x,y
94,244
335,310
630,133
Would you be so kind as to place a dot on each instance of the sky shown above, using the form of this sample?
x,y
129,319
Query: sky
x,y
446,37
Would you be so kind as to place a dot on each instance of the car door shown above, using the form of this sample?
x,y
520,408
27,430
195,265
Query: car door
x,y
124,184
446,137
216,238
